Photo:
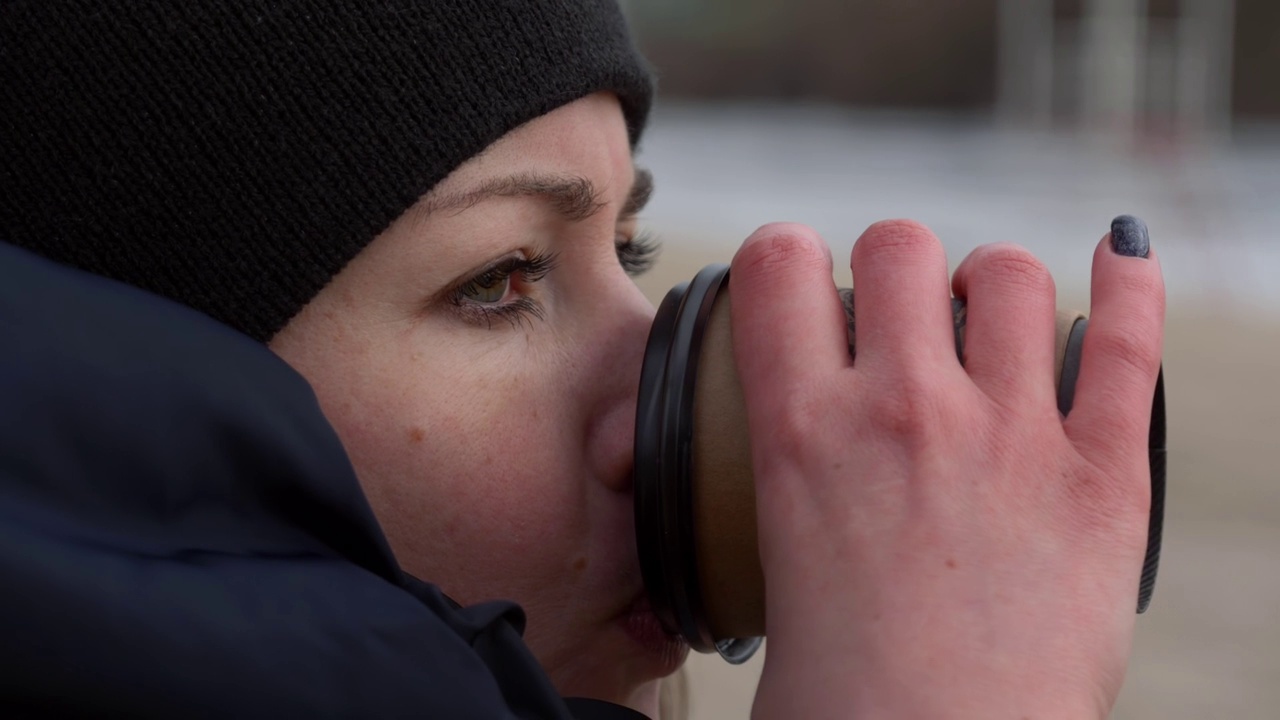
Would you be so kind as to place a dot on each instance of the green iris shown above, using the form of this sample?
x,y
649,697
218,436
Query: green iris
x,y
487,289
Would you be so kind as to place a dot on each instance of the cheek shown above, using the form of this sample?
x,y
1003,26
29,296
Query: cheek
x,y
472,468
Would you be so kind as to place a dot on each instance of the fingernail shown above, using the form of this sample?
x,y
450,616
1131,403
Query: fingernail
x,y
1129,237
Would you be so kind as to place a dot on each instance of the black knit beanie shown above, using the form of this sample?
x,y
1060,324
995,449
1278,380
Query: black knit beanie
x,y
234,155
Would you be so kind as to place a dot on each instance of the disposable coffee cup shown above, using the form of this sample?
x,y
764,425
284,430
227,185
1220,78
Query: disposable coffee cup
x,y
695,505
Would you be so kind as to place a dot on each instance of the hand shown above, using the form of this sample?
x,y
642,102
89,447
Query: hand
x,y
937,541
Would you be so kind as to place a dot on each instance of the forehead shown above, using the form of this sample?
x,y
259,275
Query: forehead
x,y
587,138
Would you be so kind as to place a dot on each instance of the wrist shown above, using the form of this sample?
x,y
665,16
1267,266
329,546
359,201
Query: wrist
x,y
820,690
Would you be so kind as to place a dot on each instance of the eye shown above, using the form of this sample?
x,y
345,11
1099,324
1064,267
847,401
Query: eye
x,y
488,288
639,253
501,291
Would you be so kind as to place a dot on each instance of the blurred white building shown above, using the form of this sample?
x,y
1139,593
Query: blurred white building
x,y
1116,68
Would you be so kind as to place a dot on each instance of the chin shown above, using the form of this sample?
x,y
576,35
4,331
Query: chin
x,y
647,700
627,669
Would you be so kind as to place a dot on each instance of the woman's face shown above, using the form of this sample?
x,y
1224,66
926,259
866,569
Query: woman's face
x,y
479,361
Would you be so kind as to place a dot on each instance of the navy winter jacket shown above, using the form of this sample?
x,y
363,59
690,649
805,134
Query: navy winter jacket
x,y
182,535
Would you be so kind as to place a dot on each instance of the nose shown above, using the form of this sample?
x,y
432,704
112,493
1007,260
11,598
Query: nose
x,y
618,352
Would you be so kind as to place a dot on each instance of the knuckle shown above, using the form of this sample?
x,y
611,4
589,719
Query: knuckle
x,y
909,410
1135,351
1015,266
897,237
1114,496
795,428
1144,286
781,248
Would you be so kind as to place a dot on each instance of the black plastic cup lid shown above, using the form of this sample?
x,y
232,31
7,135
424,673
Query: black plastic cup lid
x,y
663,452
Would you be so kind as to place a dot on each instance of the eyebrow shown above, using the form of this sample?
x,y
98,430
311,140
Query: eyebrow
x,y
573,197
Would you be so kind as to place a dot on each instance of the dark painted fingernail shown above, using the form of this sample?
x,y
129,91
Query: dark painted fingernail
x,y
1129,237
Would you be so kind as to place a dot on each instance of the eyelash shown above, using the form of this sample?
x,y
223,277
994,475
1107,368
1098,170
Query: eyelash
x,y
636,255
530,270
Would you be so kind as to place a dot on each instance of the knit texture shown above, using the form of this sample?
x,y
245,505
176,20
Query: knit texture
x,y
234,155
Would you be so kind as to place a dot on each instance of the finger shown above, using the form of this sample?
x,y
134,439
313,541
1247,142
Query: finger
x,y
1010,305
901,297
788,323
1122,346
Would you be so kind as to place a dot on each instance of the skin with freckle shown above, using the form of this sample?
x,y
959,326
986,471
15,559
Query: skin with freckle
x,y
935,539
497,457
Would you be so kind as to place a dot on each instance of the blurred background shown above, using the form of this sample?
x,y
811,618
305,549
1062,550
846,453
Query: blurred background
x,y
1036,122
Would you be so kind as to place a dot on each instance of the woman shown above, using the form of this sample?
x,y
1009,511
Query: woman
x,y
428,211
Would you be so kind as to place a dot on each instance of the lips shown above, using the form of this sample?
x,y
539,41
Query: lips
x,y
644,628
